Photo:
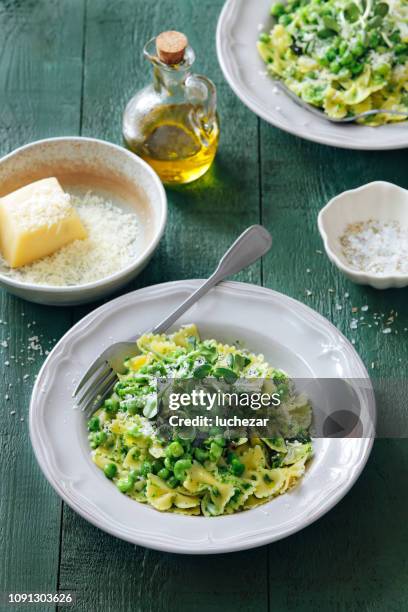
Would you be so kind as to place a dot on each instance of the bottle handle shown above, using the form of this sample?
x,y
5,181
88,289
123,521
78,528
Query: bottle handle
x,y
204,92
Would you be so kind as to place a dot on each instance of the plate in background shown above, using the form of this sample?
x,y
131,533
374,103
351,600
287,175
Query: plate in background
x,y
238,29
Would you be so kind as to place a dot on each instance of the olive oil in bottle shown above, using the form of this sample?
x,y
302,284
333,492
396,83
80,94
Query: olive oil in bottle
x,y
172,124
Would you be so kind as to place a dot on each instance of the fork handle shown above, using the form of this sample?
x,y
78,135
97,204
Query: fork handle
x,y
253,243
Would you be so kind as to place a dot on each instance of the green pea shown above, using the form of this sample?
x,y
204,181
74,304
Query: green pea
x,y
342,50
335,67
358,49
215,451
169,463
99,438
175,449
231,456
237,467
157,466
110,470
134,474
347,59
278,9
180,468
285,20
111,405
201,455
164,473
132,406
374,39
264,38
147,468
173,482
135,432
125,484
93,424
356,69
400,48
330,54
382,70
344,73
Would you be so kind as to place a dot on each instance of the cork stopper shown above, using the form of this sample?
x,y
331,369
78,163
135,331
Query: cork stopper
x,y
171,47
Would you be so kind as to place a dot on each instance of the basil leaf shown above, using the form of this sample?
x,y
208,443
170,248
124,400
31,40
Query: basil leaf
x,y
331,24
210,353
352,12
375,22
381,9
228,375
202,371
325,33
241,361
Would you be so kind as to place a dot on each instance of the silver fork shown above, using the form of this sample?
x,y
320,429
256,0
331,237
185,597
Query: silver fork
x,y
100,378
322,114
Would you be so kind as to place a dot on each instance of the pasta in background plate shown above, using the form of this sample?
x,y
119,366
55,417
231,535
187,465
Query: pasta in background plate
x,y
345,57
207,477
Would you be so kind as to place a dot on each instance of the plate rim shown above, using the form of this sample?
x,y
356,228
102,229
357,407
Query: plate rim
x,y
187,547
255,108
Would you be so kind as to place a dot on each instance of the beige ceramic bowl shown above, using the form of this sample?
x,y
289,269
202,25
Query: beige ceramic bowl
x,y
87,164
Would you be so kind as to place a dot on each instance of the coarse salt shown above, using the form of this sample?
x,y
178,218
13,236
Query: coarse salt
x,y
377,247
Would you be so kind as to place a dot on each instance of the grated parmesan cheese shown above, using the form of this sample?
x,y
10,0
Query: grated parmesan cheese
x,y
372,246
112,244
33,212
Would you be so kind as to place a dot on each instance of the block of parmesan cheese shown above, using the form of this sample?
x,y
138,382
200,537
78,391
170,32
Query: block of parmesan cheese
x,y
36,221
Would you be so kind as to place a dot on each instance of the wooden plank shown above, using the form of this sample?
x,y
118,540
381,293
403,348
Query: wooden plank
x,y
204,219
40,84
353,558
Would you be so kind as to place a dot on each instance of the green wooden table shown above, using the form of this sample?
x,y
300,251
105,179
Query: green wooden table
x,y
67,68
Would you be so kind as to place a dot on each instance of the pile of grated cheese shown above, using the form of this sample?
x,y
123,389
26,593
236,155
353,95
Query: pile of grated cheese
x,y
379,248
113,242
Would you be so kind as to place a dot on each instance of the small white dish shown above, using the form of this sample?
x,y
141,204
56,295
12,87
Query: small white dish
x,y
239,26
380,201
110,171
291,336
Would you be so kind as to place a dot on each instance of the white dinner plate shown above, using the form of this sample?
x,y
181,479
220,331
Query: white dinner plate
x,y
238,30
292,337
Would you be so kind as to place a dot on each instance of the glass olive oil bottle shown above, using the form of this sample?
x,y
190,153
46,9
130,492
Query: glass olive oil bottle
x,y
172,123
